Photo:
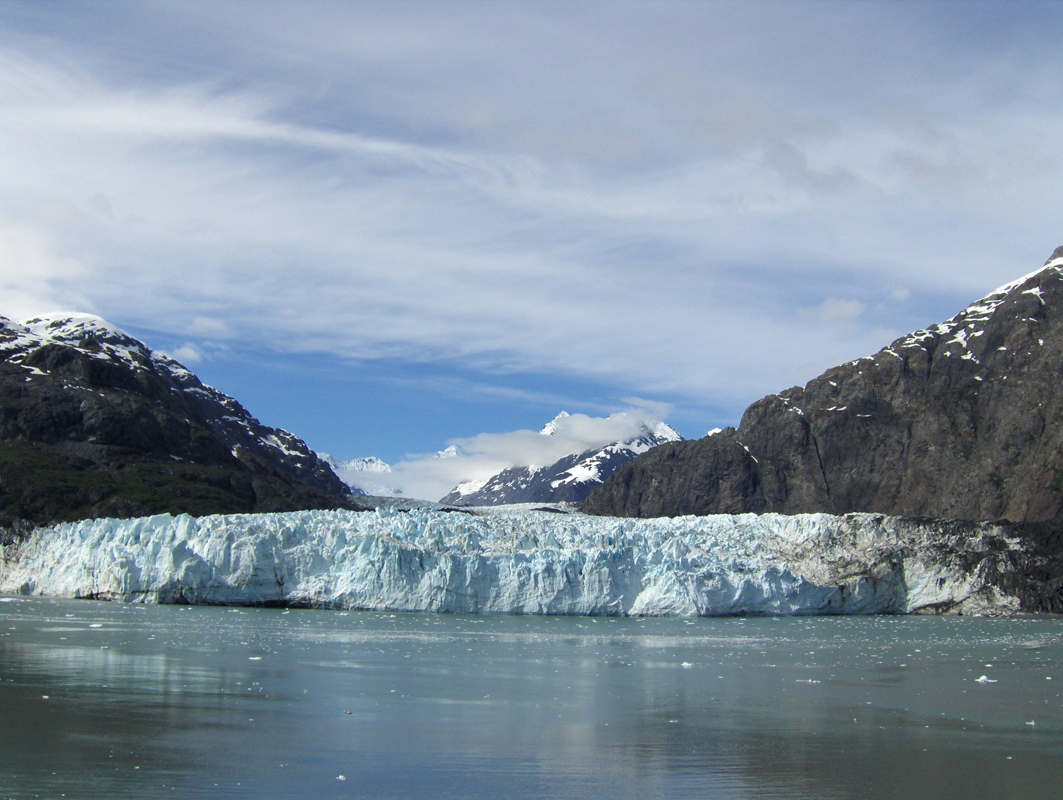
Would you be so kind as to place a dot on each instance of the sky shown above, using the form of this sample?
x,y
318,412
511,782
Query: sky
x,y
392,227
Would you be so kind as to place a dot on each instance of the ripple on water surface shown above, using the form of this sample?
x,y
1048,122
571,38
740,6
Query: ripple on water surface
x,y
156,701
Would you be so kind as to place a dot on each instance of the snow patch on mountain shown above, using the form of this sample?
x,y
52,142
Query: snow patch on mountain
x,y
363,475
468,488
96,338
966,327
551,427
91,335
570,478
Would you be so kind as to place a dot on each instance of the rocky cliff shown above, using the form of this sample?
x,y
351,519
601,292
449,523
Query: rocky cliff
x,y
93,423
963,420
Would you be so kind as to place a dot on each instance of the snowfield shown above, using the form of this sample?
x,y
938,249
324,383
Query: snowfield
x,y
519,562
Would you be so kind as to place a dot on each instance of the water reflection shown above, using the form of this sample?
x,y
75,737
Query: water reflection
x,y
153,701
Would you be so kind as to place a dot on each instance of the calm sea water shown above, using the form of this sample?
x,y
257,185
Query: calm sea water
x,y
103,700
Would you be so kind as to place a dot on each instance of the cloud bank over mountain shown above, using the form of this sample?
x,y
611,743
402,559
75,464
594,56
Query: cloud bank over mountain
x,y
480,457
695,202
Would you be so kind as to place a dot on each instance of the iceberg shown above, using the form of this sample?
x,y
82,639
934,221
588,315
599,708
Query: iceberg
x,y
522,562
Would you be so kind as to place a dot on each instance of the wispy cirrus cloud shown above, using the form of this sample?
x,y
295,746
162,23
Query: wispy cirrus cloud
x,y
643,198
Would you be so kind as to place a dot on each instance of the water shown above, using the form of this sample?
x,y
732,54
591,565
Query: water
x,y
110,700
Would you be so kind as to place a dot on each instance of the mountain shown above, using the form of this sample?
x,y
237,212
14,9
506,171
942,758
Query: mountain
x,y
94,423
569,479
963,420
364,476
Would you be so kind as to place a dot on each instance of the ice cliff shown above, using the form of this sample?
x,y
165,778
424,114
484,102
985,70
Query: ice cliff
x,y
526,562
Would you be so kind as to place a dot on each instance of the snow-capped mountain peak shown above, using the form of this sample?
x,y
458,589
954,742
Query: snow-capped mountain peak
x,y
960,420
24,344
571,478
966,327
90,334
550,428
363,475
369,464
659,432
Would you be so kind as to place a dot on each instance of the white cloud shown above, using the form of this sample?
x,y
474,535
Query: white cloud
x,y
484,455
206,326
34,278
833,310
900,294
427,187
188,353
654,409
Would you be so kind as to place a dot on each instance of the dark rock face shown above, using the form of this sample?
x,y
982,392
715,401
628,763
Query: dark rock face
x,y
93,423
960,421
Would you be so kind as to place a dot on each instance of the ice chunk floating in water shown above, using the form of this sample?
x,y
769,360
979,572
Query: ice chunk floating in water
x,y
526,562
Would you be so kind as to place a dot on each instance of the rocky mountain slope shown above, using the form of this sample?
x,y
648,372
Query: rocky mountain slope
x,y
570,479
963,420
94,423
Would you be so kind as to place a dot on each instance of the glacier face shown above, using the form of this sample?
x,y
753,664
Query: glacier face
x,y
519,562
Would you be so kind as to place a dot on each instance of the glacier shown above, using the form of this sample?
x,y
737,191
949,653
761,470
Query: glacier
x,y
523,562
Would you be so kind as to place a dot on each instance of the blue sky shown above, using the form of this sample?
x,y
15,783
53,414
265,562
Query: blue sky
x,y
391,226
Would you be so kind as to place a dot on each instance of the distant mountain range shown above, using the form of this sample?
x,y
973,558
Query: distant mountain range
x,y
963,420
365,476
570,479
94,423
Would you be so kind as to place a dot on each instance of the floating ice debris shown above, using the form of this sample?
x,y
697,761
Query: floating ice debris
x,y
984,679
